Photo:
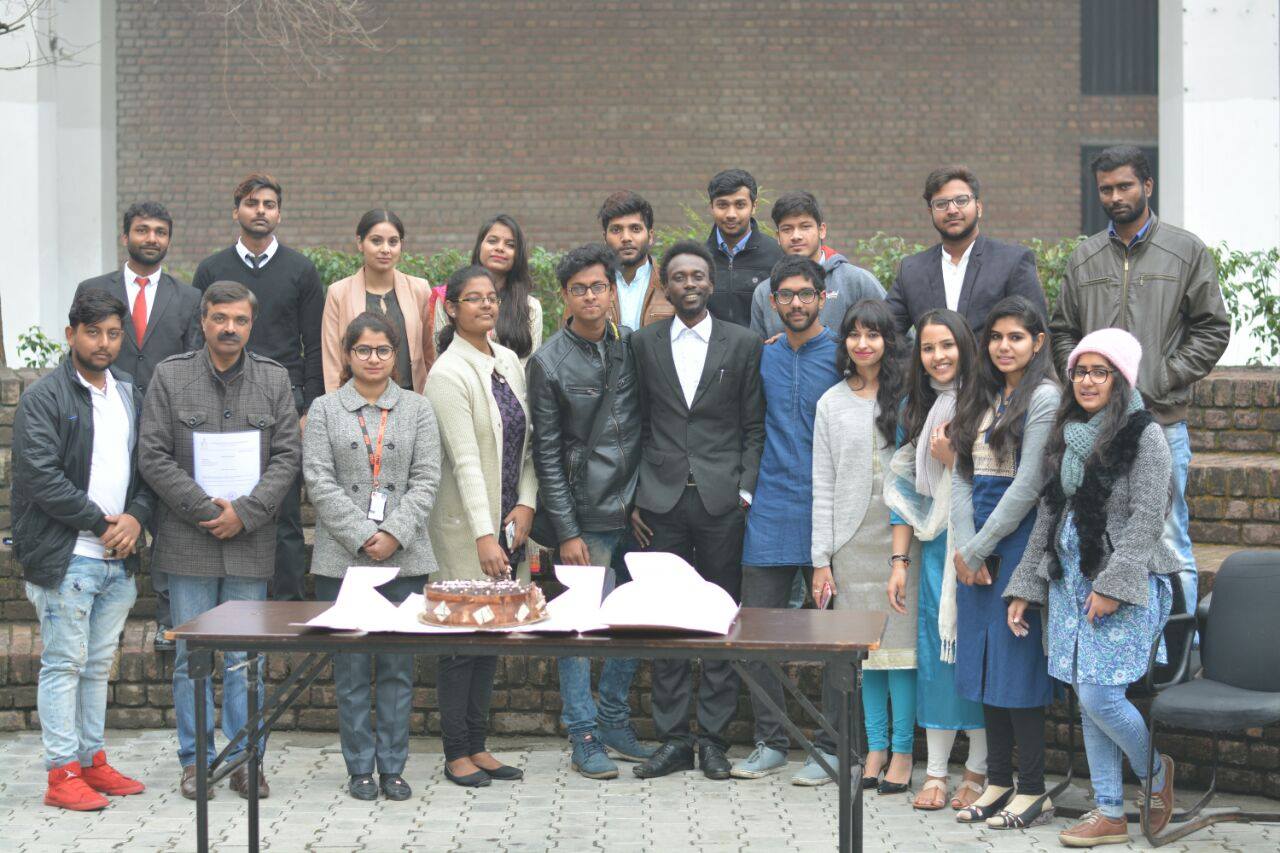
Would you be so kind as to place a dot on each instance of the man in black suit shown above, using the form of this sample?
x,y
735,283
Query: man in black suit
x,y
164,319
966,272
702,434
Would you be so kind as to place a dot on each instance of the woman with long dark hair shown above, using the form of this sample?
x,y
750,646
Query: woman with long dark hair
x,y
1002,422
1098,561
919,495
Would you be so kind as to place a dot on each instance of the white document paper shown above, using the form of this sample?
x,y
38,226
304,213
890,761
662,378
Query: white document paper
x,y
227,464
666,592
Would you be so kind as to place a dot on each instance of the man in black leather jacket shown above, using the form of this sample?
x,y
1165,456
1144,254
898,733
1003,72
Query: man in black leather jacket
x,y
585,409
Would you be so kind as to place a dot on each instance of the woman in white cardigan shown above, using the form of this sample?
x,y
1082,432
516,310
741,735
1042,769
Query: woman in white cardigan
x,y
487,487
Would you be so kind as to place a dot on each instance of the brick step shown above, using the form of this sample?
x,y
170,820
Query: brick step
x,y
1234,499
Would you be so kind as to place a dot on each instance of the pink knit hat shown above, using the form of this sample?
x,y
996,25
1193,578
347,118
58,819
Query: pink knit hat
x,y
1116,346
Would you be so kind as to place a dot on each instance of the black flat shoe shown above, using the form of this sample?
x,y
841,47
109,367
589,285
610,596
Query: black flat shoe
x,y
394,787
671,757
869,782
503,773
362,787
979,814
479,779
1035,814
714,763
887,787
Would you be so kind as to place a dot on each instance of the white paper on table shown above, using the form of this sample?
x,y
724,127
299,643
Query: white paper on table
x,y
359,605
667,592
227,464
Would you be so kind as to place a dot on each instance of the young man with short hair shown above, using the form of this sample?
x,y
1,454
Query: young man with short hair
x,y
79,507
801,232
585,412
627,220
741,254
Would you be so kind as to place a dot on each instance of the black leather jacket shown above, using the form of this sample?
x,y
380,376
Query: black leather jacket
x,y
567,384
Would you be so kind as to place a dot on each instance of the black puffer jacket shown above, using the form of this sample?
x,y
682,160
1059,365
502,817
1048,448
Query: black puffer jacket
x,y
52,451
567,384
736,277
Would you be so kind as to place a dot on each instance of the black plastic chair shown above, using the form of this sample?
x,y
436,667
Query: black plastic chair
x,y
1239,683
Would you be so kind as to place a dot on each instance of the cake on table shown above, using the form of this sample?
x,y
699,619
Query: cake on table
x,y
482,603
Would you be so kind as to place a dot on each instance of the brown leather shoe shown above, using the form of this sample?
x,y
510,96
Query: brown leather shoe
x,y
240,783
188,784
1094,829
1162,799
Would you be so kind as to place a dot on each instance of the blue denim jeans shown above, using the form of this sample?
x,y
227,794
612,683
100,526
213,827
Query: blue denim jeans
x,y
1113,728
188,598
1176,534
580,712
80,624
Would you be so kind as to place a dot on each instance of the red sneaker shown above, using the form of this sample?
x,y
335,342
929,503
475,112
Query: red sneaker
x,y
105,779
67,790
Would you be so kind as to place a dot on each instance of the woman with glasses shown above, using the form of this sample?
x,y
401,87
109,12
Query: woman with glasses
x,y
371,459
487,497
378,286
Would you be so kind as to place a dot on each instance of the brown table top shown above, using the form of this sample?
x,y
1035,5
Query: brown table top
x,y
803,634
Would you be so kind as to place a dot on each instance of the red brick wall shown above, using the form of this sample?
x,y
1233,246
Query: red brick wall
x,y
542,107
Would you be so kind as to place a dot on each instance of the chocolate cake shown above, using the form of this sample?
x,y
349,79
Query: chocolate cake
x,y
482,603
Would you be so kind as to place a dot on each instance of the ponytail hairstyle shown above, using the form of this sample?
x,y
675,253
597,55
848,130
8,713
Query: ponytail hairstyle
x,y
920,394
512,327
976,398
874,315
453,291
368,321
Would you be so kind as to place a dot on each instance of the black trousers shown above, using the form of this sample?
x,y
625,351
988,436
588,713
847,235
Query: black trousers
x,y
464,686
712,544
1025,727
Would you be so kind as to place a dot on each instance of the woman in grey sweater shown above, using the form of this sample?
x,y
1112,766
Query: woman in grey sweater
x,y
371,459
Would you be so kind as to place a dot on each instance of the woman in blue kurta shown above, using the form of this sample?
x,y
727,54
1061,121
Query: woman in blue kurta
x,y
1002,422
918,491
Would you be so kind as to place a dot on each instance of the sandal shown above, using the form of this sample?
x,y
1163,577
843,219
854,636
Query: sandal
x,y
1034,815
935,803
978,814
957,801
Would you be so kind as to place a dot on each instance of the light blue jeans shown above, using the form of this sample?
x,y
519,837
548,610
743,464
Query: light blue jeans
x,y
1113,728
80,624
579,711
1176,534
878,686
188,598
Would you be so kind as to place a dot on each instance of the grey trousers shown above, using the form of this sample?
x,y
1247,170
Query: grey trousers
x,y
365,747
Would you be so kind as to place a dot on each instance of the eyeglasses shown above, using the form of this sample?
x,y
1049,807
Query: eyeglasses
x,y
806,296
1097,375
364,352
581,289
487,299
960,201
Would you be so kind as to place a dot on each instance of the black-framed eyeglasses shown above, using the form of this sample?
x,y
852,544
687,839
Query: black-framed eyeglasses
x,y
581,289
806,296
364,352
960,201
1097,375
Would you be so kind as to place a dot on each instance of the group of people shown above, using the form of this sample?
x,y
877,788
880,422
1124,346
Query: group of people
x,y
1008,486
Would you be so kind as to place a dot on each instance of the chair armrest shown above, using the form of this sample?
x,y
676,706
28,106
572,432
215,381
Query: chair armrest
x,y
1202,609
1183,660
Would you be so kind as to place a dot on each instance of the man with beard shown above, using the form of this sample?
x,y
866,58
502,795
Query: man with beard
x,y
217,548
627,220
796,370
743,256
967,272
286,330
1157,282
163,320
702,432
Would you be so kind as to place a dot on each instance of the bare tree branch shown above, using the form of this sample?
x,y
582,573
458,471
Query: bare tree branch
x,y
309,34
15,15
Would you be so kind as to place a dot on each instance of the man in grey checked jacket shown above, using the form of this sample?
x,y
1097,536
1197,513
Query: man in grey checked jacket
x,y
214,549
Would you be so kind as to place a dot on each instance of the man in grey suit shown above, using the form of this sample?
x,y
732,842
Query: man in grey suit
x,y
966,272
163,320
702,435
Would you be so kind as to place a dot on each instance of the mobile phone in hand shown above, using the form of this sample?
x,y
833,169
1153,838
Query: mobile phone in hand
x,y
510,530
824,597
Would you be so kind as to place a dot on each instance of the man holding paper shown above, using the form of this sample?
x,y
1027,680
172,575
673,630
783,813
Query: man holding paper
x,y
205,414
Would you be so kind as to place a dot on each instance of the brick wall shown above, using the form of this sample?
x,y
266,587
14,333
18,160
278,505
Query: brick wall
x,y
543,106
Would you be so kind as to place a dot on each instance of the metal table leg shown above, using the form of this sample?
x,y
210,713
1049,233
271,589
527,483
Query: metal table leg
x,y
855,707
251,673
199,668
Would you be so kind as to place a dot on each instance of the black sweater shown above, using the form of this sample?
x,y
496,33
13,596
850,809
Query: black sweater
x,y
737,277
290,305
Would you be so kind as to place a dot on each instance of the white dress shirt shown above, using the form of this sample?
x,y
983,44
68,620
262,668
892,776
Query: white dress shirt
x,y
631,297
131,289
953,276
689,350
110,464
247,256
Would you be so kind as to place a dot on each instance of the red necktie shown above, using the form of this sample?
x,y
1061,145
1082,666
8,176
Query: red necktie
x,y
140,309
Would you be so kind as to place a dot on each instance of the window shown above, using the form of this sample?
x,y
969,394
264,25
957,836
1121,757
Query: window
x,y
1092,217
1118,47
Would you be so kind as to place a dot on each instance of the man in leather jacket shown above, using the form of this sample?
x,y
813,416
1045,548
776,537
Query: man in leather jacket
x,y
585,409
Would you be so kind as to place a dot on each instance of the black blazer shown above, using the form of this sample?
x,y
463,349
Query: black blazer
x,y
995,270
719,439
174,326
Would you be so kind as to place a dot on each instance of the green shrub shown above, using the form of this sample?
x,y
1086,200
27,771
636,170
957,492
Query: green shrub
x,y
1252,294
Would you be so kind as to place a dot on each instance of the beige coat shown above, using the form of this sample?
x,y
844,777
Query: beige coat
x,y
535,326
468,502
346,300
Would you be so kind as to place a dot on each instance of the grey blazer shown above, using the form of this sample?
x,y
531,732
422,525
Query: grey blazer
x,y
174,325
335,463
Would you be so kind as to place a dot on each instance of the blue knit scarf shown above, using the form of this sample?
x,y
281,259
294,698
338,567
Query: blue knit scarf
x,y
1080,437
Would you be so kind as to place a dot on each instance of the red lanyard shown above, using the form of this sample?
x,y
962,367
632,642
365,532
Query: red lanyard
x,y
375,456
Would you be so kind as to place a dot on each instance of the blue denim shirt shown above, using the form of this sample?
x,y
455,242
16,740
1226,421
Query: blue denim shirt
x,y
779,523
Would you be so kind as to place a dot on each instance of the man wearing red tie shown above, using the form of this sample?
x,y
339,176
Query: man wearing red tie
x,y
164,319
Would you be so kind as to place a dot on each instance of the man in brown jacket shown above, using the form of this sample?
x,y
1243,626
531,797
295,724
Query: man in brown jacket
x,y
638,300
216,534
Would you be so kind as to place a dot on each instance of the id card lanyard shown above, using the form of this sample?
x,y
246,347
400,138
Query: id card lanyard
x,y
377,497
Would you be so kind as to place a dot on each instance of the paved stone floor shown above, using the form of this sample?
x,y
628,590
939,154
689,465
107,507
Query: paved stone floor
x,y
553,809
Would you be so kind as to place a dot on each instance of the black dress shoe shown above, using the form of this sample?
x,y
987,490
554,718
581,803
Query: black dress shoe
x,y
479,779
362,787
714,763
393,786
671,757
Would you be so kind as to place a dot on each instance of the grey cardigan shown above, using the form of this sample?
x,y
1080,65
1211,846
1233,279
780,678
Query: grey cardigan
x,y
335,463
1135,527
